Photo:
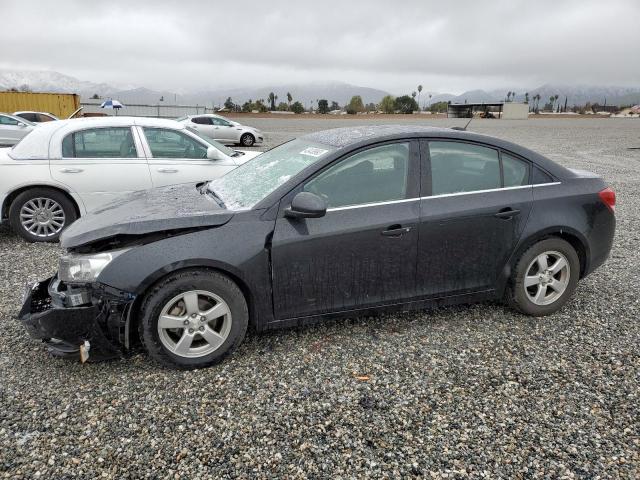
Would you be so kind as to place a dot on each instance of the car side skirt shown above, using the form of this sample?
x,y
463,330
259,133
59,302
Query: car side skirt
x,y
395,307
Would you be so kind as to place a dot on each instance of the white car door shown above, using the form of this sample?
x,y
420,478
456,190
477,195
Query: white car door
x,y
101,164
12,130
225,131
177,156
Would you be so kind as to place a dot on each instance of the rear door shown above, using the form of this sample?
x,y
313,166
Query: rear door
x,y
203,125
177,157
475,204
101,164
363,251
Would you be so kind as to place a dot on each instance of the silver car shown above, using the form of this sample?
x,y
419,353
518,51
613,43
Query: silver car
x,y
223,130
13,129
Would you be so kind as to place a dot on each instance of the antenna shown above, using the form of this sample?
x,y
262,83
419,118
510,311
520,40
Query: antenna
x,y
463,128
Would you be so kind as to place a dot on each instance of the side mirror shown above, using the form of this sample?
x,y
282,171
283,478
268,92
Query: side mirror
x,y
306,205
20,124
214,154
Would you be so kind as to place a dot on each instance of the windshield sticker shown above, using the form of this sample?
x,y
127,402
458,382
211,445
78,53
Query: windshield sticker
x,y
313,152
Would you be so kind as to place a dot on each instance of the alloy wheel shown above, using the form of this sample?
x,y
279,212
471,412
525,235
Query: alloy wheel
x,y
194,323
547,278
42,217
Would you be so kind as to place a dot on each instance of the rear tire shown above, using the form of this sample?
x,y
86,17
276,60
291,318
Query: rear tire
x,y
41,214
545,277
247,140
193,319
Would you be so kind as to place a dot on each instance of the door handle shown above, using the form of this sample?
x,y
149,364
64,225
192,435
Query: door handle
x,y
507,213
167,170
71,170
396,231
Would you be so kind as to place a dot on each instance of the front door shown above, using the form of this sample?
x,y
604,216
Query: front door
x,y
176,157
363,251
476,205
101,164
225,131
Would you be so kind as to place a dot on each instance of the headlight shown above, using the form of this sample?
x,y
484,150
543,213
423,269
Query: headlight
x,y
75,268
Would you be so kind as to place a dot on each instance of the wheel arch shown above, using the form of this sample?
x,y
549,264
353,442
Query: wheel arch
x,y
11,196
160,275
568,234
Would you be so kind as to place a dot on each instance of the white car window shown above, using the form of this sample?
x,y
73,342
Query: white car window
x,y
114,142
220,122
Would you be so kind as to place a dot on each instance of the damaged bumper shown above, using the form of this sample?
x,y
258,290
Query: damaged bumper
x,y
89,323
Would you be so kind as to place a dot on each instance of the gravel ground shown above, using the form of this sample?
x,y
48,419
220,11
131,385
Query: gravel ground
x,y
473,391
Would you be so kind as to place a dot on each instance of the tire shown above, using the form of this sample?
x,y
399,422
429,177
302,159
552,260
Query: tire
x,y
537,293
247,140
166,342
52,212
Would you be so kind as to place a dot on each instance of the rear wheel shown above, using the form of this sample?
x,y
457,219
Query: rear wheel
x,y
546,275
41,214
247,140
193,319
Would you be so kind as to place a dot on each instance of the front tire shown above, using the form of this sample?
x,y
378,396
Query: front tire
x,y
546,276
247,140
41,214
193,319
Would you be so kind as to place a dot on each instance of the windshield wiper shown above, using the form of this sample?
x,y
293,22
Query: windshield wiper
x,y
213,195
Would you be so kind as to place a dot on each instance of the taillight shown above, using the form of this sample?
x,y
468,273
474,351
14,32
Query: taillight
x,y
608,197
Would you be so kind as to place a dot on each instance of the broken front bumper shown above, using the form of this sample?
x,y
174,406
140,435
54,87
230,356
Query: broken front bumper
x,y
97,328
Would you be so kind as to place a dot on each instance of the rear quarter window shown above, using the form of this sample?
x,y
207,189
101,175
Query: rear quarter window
x,y
540,176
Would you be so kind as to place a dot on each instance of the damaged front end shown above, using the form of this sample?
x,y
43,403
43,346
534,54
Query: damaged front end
x,y
85,321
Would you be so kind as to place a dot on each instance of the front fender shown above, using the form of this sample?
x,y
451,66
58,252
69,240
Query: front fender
x,y
246,261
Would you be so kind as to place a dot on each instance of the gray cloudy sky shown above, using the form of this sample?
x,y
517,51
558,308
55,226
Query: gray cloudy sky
x,y
393,45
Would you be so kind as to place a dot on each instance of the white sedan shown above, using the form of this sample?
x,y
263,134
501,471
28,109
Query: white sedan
x,y
223,130
66,168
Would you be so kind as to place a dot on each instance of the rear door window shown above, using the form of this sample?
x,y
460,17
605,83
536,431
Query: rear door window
x,y
515,171
201,120
462,167
114,142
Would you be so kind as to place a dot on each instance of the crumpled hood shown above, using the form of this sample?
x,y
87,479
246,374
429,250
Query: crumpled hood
x,y
138,213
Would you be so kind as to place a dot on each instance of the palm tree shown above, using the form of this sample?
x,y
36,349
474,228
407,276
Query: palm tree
x,y
413,94
272,100
289,98
526,97
429,99
419,92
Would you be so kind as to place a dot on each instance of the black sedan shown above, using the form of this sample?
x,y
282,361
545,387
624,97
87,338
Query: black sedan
x,y
338,222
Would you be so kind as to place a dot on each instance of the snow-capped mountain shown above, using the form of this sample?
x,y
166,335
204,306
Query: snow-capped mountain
x,y
49,81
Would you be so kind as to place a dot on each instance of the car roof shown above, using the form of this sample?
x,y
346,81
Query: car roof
x,y
345,136
355,137
205,115
32,111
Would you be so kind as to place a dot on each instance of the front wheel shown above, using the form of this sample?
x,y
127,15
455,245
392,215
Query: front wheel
x,y
546,276
247,140
193,319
